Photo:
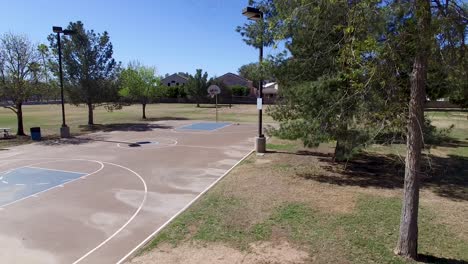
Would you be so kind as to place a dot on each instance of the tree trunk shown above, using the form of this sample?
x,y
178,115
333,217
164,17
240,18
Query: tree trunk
x,y
90,114
407,245
19,117
144,111
340,150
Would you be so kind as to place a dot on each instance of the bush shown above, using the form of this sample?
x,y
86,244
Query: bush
x,y
172,92
238,90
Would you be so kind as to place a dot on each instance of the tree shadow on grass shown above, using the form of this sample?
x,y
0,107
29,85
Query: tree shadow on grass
x,y
304,153
447,177
133,127
433,259
214,106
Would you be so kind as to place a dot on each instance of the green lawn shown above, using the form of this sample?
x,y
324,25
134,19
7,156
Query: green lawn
x,y
335,215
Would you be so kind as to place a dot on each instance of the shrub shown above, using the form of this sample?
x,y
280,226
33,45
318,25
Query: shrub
x,y
172,92
238,90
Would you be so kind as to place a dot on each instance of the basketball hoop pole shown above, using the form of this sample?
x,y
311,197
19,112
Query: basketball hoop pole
x,y
216,107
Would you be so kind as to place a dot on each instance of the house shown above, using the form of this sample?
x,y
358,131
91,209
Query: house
x,y
175,79
270,90
231,79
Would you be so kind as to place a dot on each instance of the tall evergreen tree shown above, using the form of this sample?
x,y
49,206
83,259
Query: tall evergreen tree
x,y
197,85
90,71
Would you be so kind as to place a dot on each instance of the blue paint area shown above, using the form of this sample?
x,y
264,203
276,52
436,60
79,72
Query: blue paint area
x,y
204,126
22,182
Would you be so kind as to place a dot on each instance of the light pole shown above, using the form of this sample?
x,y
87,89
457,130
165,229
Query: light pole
x,y
260,143
64,129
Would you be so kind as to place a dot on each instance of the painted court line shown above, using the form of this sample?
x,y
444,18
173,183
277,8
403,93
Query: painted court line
x,y
40,168
126,223
53,187
181,211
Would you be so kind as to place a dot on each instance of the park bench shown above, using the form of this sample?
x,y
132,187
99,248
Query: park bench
x,y
5,132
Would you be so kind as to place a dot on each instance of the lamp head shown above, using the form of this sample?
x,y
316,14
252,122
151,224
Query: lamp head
x,y
252,13
57,29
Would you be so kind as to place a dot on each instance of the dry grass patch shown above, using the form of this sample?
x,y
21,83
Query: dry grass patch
x,y
336,213
261,252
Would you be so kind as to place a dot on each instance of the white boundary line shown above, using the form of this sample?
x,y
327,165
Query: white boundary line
x,y
41,168
156,146
181,211
56,186
126,223
102,166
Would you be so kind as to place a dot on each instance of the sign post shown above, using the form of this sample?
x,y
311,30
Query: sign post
x,y
213,91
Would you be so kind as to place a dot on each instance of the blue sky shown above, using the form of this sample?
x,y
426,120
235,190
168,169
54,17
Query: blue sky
x,y
173,35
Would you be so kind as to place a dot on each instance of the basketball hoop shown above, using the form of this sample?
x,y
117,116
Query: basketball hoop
x,y
213,90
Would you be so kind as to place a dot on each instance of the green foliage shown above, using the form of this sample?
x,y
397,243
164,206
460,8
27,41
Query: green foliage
x,y
139,83
19,74
239,90
346,75
171,91
197,85
90,71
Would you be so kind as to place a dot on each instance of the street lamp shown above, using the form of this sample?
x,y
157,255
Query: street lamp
x,y
260,143
64,130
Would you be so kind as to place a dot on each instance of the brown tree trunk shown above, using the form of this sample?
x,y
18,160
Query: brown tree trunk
x,y
90,114
19,117
144,111
339,153
407,245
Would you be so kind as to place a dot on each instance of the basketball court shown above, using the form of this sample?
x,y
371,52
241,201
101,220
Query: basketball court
x,y
97,198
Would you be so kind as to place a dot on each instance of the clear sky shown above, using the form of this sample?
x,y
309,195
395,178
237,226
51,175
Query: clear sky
x,y
173,35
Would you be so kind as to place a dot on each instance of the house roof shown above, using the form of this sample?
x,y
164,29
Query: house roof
x,y
230,79
175,76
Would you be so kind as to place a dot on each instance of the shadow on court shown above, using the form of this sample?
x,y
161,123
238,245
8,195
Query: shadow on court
x,y
124,127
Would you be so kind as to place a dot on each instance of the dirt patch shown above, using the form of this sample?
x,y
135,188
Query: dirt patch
x,y
276,175
264,252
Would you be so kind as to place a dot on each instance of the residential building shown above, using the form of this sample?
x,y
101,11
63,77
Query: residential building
x,y
175,79
231,79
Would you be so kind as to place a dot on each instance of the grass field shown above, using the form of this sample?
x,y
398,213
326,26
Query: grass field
x,y
49,117
295,205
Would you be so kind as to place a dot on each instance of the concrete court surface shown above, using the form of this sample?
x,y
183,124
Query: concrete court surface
x,y
95,199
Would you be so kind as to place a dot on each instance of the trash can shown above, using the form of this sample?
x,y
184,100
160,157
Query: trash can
x,y
36,133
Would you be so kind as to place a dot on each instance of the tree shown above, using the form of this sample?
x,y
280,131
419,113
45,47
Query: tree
x,y
250,72
139,83
361,68
196,86
321,82
90,71
254,73
48,87
18,74
408,240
